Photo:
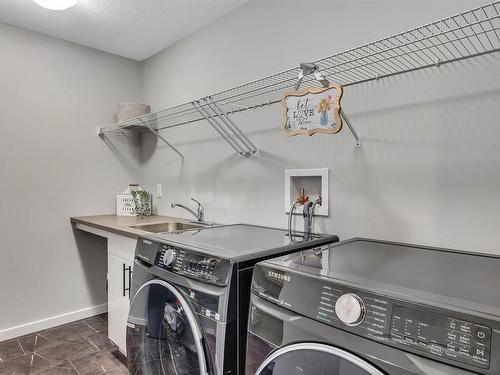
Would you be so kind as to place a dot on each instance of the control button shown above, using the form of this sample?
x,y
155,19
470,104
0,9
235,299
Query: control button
x,y
422,343
482,334
452,336
436,349
464,339
450,353
451,347
350,309
464,350
168,257
395,336
480,352
465,327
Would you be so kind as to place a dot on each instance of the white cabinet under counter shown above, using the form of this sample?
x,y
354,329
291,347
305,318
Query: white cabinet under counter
x,y
119,280
121,242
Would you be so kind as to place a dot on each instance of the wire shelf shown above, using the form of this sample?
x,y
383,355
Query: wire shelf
x,y
471,33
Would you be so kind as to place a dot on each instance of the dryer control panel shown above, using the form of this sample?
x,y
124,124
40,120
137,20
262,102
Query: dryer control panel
x,y
441,334
449,336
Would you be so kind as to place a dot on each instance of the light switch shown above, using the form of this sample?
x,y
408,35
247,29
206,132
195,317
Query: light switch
x,y
159,193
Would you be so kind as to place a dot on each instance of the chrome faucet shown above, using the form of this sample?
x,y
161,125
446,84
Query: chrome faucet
x,y
200,211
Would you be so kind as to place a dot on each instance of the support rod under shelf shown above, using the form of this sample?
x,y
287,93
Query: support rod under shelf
x,y
357,141
222,132
163,139
226,127
229,122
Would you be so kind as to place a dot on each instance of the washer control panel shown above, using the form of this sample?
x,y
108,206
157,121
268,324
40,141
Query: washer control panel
x,y
198,266
444,335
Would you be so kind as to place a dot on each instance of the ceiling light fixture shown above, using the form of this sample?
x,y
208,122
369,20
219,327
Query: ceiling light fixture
x,y
56,4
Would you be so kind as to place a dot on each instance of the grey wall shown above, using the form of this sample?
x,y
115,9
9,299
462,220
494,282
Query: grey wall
x,y
428,170
52,166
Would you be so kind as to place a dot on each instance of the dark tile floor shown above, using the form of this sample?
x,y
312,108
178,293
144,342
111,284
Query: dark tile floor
x,y
78,348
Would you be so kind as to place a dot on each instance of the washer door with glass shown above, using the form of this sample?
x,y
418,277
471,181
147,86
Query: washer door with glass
x,y
163,335
314,359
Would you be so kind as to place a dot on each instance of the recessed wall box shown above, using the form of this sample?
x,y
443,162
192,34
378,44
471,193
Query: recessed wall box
x,y
313,181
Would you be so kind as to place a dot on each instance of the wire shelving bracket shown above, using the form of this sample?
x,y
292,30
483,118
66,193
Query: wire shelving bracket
x,y
468,34
225,126
154,131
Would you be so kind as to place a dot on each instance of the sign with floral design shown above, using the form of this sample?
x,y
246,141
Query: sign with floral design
x,y
314,110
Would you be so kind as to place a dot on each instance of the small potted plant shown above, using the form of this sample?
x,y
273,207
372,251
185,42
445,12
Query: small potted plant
x,y
143,203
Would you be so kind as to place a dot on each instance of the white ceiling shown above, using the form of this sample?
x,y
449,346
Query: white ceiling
x,y
131,28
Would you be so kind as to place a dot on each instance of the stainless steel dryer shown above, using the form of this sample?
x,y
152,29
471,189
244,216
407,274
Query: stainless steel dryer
x,y
191,294
366,307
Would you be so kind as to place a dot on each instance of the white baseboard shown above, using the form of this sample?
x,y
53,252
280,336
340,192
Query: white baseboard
x,y
53,321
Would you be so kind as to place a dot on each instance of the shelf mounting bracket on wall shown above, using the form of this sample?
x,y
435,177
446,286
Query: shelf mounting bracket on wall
x,y
312,68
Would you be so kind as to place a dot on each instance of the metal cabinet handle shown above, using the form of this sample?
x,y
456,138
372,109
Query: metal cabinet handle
x,y
129,270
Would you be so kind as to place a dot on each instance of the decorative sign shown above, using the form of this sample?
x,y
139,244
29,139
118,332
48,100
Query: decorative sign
x,y
314,110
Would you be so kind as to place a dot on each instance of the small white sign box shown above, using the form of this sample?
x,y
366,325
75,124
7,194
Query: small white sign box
x,y
313,181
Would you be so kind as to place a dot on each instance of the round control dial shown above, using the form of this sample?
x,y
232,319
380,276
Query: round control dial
x,y
168,257
350,309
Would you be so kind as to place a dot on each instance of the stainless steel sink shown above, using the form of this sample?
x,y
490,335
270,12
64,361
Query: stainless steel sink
x,y
175,226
